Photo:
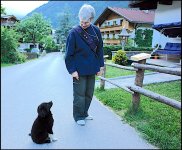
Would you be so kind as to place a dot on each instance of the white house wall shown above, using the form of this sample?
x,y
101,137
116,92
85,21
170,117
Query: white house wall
x,y
27,45
166,14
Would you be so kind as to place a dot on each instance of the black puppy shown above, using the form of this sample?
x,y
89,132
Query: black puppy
x,y
41,131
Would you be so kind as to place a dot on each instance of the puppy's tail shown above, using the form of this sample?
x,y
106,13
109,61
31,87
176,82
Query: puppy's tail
x,y
29,134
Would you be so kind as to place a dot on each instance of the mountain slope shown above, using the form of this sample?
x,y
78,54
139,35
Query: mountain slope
x,y
53,10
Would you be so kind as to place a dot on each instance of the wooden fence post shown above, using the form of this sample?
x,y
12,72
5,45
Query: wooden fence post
x,y
102,82
141,58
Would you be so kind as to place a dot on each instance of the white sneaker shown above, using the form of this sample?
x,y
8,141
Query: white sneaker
x,y
81,122
89,118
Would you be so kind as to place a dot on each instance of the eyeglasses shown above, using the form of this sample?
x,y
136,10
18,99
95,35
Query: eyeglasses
x,y
84,22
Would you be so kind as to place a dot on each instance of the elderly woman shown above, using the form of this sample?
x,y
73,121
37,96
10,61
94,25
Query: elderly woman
x,y
84,60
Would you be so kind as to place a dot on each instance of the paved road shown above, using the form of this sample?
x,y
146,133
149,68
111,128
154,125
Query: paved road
x,y
25,86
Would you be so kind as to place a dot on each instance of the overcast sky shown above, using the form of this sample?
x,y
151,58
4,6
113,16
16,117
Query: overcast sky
x,y
21,8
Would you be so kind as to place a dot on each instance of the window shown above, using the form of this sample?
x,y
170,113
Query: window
x,y
113,36
114,23
121,21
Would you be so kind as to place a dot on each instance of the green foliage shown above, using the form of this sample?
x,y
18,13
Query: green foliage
x,y
138,37
129,42
120,58
34,28
3,12
49,44
138,49
9,44
14,57
143,37
6,65
109,48
64,26
160,124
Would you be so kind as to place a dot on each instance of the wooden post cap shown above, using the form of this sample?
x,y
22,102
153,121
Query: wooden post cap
x,y
140,56
106,56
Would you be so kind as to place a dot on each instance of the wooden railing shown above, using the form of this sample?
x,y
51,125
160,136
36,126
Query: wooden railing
x,y
137,89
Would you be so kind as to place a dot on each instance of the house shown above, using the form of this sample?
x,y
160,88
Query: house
x,y
167,22
113,19
8,20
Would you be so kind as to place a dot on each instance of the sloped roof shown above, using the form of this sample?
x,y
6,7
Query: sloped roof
x,y
8,16
132,15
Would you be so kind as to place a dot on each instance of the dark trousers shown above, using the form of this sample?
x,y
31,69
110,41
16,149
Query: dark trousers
x,y
83,90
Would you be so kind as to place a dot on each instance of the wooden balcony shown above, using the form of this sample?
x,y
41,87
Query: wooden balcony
x,y
111,41
110,28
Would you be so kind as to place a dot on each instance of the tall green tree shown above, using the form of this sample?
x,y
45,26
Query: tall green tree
x,y
65,25
143,38
34,28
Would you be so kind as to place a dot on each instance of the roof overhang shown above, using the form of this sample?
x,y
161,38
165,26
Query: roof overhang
x,y
169,29
103,16
108,11
149,4
9,16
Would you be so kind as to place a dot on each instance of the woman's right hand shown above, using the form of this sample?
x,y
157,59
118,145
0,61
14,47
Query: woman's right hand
x,y
75,75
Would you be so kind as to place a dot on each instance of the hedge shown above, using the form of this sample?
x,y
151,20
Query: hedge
x,y
109,48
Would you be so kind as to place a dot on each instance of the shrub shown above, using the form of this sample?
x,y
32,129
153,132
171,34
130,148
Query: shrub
x,y
14,57
109,48
9,44
9,40
120,58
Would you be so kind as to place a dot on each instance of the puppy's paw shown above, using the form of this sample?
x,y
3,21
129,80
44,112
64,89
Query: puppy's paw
x,y
54,140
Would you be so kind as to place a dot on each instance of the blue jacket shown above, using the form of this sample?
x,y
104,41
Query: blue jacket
x,y
79,56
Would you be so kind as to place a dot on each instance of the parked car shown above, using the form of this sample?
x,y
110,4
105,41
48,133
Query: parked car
x,y
35,50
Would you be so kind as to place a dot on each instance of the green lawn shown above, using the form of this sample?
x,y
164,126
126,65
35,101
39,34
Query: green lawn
x,y
11,64
112,72
160,124
6,65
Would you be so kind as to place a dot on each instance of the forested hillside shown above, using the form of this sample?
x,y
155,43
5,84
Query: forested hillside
x,y
54,10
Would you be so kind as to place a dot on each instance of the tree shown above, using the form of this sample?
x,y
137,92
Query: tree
x,y
49,44
139,38
143,38
9,44
34,28
148,37
3,10
65,25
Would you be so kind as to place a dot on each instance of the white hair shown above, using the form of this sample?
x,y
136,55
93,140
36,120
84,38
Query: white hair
x,y
86,12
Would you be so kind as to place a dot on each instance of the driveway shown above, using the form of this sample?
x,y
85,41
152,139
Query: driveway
x,y
25,86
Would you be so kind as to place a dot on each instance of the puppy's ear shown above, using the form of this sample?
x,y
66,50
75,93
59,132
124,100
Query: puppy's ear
x,y
41,111
50,104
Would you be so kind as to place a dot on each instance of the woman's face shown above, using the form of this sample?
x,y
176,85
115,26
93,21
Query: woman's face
x,y
85,24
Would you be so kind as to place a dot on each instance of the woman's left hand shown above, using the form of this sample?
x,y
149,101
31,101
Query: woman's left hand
x,y
100,72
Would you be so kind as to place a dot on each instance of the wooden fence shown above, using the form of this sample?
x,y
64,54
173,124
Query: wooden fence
x,y
136,90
